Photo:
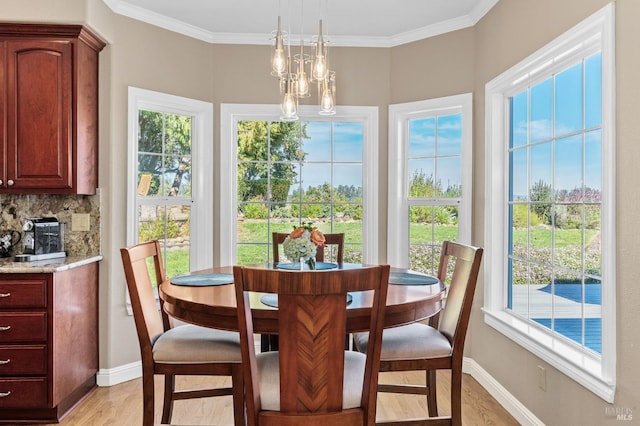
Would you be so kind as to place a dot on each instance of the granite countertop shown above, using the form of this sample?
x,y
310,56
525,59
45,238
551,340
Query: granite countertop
x,y
8,266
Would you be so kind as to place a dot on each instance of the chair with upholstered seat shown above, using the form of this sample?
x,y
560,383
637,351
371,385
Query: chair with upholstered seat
x,y
336,240
311,380
182,350
422,347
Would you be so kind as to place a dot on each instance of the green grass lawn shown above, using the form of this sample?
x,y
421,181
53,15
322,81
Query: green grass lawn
x,y
257,237
177,261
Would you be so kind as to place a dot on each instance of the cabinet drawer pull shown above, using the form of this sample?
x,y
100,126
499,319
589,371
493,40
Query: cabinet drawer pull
x,y
10,182
3,295
4,327
5,361
0,181
4,394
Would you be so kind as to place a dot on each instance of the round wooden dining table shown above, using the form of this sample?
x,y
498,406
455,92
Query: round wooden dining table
x,y
214,306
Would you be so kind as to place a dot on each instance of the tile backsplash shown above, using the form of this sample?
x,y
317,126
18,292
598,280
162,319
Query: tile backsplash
x,y
14,209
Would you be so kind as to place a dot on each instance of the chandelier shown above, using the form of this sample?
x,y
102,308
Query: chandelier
x,y
297,72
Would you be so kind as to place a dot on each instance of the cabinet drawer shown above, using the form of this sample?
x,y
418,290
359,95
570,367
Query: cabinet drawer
x,y
23,327
23,392
23,294
23,359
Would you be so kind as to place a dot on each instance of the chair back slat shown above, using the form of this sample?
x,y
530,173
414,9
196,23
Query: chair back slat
x,y
454,318
312,312
311,352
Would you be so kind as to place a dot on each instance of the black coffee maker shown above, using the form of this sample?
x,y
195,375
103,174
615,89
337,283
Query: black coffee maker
x,y
8,242
43,239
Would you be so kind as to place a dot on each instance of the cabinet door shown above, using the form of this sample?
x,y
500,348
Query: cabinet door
x,y
39,101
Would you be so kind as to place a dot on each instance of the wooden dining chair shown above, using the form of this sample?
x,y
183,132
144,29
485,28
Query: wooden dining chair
x,y
171,351
336,240
429,348
311,380
270,342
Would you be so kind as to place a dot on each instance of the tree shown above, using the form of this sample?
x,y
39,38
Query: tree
x,y
164,142
259,140
421,185
541,196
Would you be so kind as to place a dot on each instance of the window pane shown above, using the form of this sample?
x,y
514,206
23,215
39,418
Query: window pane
x,y
347,218
449,175
253,140
316,180
149,168
422,137
318,146
348,140
178,176
568,168
568,101
421,178
151,131
178,134
347,176
449,140
424,258
541,172
541,111
170,225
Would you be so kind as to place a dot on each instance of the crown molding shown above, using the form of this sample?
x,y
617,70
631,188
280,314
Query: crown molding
x,y
122,7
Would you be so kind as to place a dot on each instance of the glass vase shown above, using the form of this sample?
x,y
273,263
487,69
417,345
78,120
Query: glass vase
x,y
310,262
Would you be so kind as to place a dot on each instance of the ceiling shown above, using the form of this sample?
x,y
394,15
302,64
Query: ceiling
x,y
362,23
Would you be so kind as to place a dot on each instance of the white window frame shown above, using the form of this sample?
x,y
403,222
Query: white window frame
x,y
201,227
398,210
230,114
597,374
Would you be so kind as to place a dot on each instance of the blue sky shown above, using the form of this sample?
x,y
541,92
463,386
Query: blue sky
x,y
347,149
435,147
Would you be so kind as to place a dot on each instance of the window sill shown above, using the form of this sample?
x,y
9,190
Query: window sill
x,y
584,368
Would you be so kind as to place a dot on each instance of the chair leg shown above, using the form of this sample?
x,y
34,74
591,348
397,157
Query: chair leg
x,y
238,395
148,396
456,397
268,342
167,404
432,403
264,343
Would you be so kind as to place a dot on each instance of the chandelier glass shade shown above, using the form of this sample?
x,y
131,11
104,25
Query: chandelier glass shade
x,y
278,59
296,73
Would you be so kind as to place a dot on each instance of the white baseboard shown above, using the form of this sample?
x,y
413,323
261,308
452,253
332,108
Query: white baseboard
x,y
123,373
500,394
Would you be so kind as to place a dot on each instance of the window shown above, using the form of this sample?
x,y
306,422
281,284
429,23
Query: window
x,y
549,264
169,195
429,179
318,169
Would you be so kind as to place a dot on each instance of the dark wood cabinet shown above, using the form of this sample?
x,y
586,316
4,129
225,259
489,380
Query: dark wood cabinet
x,y
48,342
49,109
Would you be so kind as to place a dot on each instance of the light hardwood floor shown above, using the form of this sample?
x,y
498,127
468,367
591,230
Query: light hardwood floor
x,y
121,405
